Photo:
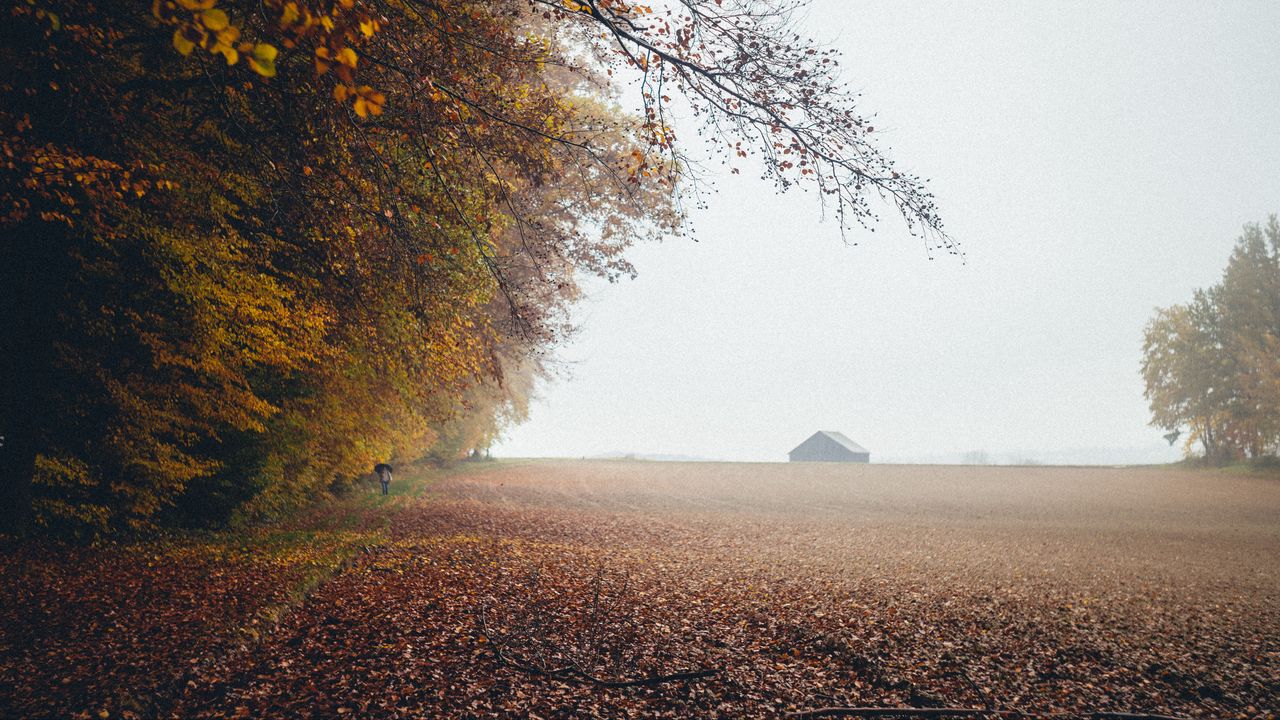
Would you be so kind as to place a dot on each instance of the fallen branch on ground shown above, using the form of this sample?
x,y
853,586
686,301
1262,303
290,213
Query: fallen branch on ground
x,y
651,680
899,712
955,712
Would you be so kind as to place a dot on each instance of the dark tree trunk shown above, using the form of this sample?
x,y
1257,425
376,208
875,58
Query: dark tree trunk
x,y
17,465
33,268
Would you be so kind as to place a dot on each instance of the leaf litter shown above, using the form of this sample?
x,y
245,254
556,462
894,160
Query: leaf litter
x,y
490,598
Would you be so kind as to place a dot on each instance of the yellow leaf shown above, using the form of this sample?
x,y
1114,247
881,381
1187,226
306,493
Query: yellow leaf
x,y
181,43
322,60
368,27
369,101
263,60
265,52
264,69
229,53
214,19
290,14
347,57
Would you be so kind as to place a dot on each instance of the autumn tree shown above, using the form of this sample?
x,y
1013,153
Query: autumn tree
x,y
1249,299
1211,366
251,247
1185,378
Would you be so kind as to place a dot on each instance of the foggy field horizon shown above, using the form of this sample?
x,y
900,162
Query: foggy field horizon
x,y
1154,455
1094,162
1011,460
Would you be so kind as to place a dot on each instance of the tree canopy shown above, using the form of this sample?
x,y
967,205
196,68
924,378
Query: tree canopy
x,y
249,248
1212,365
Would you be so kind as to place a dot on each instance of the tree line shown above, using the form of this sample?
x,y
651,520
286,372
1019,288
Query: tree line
x,y
250,247
1212,365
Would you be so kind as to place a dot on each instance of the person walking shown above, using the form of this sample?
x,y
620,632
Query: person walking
x,y
383,472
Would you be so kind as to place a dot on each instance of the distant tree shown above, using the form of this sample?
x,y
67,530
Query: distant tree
x,y
1211,366
1250,309
1185,380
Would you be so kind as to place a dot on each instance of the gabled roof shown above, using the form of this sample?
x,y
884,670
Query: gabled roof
x,y
837,438
846,442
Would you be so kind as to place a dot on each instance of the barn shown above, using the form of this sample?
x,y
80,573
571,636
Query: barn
x,y
829,446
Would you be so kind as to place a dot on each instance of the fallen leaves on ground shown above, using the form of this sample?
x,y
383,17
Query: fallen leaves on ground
x,y
461,606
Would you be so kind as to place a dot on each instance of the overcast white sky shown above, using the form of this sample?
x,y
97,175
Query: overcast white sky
x,y
1096,160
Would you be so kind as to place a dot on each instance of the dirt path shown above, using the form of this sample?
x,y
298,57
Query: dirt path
x,y
1040,589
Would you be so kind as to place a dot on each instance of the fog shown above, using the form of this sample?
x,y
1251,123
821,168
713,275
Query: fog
x,y
1095,161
